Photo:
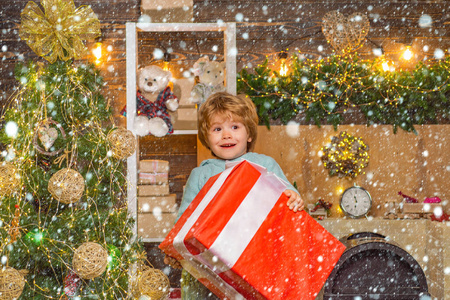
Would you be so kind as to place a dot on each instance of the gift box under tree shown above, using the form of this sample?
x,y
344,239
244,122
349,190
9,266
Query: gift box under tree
x,y
239,238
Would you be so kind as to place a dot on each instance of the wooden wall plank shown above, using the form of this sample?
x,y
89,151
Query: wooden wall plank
x,y
285,11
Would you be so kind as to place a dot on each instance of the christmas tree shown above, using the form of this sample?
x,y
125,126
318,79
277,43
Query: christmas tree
x,y
65,229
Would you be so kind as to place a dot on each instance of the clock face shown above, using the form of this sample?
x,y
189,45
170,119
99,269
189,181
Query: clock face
x,y
356,202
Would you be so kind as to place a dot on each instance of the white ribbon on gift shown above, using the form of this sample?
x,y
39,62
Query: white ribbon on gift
x,y
237,233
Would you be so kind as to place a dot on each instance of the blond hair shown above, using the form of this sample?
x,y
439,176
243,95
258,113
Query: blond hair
x,y
238,108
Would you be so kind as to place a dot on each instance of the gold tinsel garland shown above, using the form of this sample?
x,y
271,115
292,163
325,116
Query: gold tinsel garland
x,y
60,31
346,155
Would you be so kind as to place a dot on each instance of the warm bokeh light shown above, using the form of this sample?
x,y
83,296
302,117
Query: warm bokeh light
x,y
166,66
385,66
407,54
97,51
166,61
283,66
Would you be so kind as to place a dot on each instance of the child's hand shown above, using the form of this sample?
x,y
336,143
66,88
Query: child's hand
x,y
169,260
295,202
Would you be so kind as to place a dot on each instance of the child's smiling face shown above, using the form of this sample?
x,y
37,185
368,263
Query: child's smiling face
x,y
227,136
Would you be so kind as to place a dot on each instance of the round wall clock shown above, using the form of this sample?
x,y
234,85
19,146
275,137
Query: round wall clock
x,y
356,202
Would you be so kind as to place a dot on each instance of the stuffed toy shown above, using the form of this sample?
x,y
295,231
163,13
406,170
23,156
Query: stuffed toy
x,y
209,79
154,100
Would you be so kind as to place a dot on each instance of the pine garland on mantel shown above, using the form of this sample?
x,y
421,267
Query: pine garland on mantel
x,y
323,90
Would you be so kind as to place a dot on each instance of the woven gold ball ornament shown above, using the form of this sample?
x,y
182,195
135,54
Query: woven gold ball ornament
x,y
90,260
9,179
11,283
66,186
122,142
345,33
154,284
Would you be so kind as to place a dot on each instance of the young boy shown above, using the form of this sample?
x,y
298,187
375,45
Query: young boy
x,y
227,125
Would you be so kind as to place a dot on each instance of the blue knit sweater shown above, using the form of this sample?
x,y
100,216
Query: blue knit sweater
x,y
210,167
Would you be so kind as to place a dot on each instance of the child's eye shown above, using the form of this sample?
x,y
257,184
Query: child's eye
x,y
235,127
216,129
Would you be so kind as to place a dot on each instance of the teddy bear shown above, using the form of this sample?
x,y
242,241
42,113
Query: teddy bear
x,y
154,100
209,79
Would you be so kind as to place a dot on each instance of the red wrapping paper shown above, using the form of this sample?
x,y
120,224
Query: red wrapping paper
x,y
239,238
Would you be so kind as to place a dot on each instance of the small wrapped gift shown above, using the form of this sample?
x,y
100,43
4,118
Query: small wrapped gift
x,y
153,189
239,238
153,178
167,203
153,166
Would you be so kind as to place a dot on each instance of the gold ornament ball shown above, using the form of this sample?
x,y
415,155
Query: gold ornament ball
x,y
90,260
11,283
122,142
154,284
9,179
66,186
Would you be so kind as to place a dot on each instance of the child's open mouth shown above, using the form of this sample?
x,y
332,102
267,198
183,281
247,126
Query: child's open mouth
x,y
227,145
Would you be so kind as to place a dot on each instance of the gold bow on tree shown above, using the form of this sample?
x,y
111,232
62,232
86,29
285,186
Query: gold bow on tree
x,y
60,31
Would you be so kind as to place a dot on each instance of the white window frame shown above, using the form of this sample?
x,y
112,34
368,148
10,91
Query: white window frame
x,y
230,51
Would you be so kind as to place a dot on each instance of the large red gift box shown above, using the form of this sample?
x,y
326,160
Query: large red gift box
x,y
239,238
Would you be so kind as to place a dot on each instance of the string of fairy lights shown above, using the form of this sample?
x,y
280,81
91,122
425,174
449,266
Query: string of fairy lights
x,y
100,165
325,89
345,156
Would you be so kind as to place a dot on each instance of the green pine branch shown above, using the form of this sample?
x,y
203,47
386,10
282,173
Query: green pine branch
x,y
324,90
50,231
